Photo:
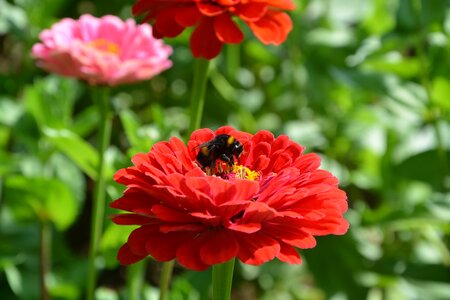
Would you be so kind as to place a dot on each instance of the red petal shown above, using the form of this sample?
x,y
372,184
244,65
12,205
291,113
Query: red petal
x,y
209,9
188,254
273,28
204,42
166,25
168,214
133,200
280,162
281,142
127,257
224,130
258,212
230,209
226,30
133,219
257,248
225,191
139,237
263,136
329,225
261,148
308,162
188,17
292,232
251,11
246,228
219,247
294,150
261,163
342,228
164,247
281,4
289,254
182,227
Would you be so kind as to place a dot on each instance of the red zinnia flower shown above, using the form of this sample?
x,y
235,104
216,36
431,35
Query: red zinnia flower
x,y
273,200
214,23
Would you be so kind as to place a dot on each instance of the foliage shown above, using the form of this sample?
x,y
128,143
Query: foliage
x,y
364,83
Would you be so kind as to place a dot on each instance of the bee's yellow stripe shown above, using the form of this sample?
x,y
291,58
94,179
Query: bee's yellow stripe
x,y
204,150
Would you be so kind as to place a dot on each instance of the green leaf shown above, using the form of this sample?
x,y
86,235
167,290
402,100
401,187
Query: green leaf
x,y
12,18
72,145
14,279
113,238
10,111
51,100
424,167
440,92
48,199
141,137
131,125
66,171
7,163
86,121
412,270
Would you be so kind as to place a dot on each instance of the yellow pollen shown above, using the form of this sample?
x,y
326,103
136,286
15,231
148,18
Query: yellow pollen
x,y
104,46
244,172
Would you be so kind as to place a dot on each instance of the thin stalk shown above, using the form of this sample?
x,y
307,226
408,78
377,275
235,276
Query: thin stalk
x,y
222,278
135,279
45,240
166,275
98,203
233,61
441,152
198,92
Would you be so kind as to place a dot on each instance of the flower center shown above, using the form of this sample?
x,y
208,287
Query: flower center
x,y
104,46
225,171
242,172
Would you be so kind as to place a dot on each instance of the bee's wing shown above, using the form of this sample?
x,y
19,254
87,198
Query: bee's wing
x,y
205,144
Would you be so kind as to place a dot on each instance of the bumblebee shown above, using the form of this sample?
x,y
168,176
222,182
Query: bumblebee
x,y
223,147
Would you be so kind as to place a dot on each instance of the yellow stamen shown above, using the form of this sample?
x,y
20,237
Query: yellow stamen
x,y
244,172
104,46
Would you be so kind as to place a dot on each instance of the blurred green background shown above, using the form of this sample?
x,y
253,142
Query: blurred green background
x,y
366,84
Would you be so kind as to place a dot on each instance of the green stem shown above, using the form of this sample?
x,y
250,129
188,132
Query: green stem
x,y
198,92
435,110
98,203
45,240
166,274
233,61
135,279
222,278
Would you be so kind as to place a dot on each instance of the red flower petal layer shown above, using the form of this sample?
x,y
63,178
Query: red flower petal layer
x,y
213,21
203,220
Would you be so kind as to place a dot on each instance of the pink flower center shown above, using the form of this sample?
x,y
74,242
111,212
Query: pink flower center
x,y
104,46
223,170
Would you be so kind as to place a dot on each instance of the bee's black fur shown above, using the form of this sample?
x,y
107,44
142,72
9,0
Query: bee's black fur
x,y
223,147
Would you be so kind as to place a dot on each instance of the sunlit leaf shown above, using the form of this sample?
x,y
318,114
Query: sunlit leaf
x,y
41,199
81,152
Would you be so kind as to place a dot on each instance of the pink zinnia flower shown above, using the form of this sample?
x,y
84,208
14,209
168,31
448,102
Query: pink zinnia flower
x,y
102,50
256,202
